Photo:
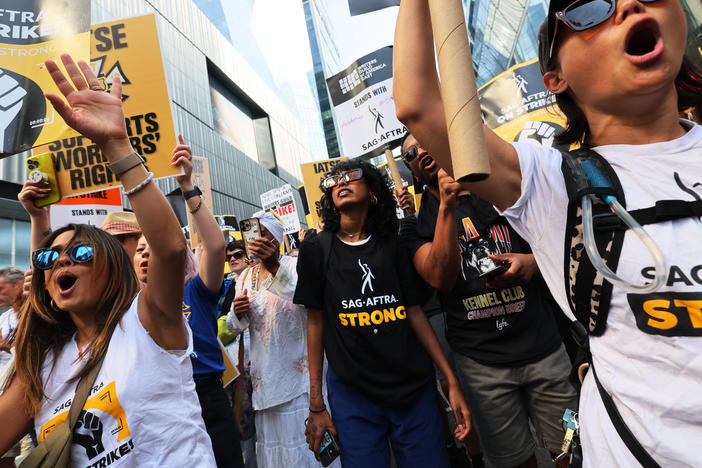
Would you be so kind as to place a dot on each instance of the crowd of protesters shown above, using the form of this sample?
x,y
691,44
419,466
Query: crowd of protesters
x,y
437,340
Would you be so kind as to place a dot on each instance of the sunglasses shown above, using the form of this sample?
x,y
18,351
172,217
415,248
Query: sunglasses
x,y
412,153
332,181
44,259
585,14
237,255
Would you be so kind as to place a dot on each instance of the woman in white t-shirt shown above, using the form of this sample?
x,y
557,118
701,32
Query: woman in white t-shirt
x,y
84,305
617,69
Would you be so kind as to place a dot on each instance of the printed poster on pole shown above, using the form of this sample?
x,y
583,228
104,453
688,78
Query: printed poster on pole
x,y
90,208
201,179
128,48
31,32
282,202
364,105
518,107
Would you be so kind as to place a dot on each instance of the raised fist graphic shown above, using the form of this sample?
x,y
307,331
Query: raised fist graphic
x,y
88,433
540,133
21,102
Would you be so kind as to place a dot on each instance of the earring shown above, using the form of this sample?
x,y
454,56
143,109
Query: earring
x,y
373,199
54,306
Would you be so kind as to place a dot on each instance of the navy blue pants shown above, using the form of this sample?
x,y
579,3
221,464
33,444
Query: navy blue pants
x,y
365,427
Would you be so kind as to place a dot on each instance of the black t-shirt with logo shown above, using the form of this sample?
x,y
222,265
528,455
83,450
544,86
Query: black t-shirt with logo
x,y
364,293
503,326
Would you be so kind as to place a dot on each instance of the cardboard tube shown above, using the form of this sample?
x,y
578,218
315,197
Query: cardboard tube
x,y
392,164
459,94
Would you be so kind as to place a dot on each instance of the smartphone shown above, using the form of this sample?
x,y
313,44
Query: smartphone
x,y
250,229
329,449
41,167
495,269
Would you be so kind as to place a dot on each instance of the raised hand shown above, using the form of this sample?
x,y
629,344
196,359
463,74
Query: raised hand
x,y
89,110
32,191
183,157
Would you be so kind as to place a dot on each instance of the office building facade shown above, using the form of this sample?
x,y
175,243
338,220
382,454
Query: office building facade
x,y
227,112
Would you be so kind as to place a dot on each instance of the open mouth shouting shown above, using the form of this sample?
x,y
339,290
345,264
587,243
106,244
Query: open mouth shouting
x,y
66,282
643,42
427,163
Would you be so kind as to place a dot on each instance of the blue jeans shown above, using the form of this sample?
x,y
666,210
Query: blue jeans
x,y
365,428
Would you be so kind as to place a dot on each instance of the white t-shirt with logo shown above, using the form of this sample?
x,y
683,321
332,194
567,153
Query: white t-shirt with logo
x,y
142,409
650,356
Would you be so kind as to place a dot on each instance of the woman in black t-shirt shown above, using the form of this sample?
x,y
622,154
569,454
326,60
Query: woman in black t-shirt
x,y
359,288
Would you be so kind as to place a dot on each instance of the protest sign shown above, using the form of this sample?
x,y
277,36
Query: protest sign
x,y
90,208
518,107
31,32
312,175
359,7
282,202
305,206
364,105
128,48
201,179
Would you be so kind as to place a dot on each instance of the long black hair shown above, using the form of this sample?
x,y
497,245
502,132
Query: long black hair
x,y
382,216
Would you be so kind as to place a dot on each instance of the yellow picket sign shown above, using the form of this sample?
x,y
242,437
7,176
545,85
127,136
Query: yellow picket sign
x,y
312,175
33,32
130,49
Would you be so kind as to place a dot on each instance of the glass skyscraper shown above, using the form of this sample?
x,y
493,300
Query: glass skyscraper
x,y
326,62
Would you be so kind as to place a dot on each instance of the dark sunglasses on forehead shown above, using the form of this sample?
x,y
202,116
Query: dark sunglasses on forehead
x,y
44,259
239,254
585,14
332,181
411,153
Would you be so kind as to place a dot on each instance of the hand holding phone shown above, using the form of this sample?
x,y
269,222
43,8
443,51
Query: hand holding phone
x,y
328,449
250,229
41,171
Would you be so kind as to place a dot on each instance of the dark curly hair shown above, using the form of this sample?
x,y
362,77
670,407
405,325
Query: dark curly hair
x,y
382,217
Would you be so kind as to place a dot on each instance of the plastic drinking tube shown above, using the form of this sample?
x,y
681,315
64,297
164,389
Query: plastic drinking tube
x,y
661,274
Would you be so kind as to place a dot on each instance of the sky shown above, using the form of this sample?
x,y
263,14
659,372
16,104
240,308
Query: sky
x,y
359,35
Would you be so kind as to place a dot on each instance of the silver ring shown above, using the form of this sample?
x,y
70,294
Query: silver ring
x,y
97,88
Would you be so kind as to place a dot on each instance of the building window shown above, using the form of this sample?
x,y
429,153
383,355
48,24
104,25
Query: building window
x,y
14,243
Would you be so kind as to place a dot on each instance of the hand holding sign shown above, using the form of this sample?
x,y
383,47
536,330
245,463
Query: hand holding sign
x,y
95,114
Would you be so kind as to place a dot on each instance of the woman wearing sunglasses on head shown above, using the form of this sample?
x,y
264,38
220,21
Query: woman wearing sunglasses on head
x,y
617,68
85,312
359,288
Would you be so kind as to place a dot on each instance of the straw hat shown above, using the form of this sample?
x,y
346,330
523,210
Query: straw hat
x,y
121,222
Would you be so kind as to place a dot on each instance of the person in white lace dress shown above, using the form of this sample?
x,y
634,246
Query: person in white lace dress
x,y
277,327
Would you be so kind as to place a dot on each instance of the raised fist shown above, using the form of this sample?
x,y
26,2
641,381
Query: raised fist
x,y
540,133
88,433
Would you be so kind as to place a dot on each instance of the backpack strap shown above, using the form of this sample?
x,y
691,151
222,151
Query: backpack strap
x,y
587,291
629,439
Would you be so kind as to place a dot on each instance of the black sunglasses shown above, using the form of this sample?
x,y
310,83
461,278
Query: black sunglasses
x,y
585,14
238,255
412,153
44,259
332,181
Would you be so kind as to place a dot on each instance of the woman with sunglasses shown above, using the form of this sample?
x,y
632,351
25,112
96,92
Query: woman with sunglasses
x,y
363,312
85,309
617,69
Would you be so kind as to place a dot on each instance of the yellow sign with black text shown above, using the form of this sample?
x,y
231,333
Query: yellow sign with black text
x,y
130,49
32,32
312,175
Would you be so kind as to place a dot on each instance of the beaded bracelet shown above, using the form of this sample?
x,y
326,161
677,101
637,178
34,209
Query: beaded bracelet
x,y
148,179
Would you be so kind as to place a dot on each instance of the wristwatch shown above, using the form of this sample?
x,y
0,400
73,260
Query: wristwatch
x,y
192,193
123,165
